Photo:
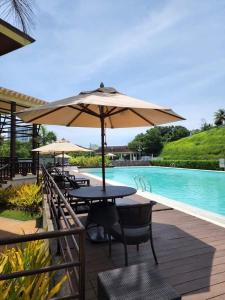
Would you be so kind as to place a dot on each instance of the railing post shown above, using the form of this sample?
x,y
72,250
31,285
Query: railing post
x,y
13,140
58,224
34,145
82,265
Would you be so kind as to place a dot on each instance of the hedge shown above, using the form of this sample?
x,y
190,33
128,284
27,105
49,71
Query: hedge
x,y
88,161
190,164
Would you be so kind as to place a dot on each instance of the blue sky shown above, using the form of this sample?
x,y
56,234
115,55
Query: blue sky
x,y
167,52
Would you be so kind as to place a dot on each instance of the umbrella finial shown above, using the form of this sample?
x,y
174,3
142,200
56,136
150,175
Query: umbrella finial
x,y
102,85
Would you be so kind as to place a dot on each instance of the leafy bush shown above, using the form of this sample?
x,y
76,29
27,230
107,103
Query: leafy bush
x,y
88,161
191,164
27,197
5,194
32,255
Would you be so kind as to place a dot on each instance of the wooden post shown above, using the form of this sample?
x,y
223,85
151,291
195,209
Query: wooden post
x,y
13,141
34,145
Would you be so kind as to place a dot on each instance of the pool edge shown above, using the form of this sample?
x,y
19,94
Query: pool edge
x,y
186,208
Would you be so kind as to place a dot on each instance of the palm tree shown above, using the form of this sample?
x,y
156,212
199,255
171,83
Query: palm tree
x,y
219,117
46,136
20,10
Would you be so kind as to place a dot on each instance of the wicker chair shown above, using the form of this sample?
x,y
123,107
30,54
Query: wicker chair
x,y
134,227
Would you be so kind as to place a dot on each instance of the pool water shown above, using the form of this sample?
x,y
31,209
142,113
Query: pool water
x,y
202,189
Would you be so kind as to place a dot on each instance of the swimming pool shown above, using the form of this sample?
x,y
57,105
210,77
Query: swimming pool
x,y
198,188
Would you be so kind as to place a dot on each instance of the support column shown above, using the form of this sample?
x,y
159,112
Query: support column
x,y
34,145
13,140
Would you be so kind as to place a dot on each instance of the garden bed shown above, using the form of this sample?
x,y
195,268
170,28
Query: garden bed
x,y
20,215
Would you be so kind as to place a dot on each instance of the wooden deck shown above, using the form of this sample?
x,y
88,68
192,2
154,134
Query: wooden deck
x,y
191,254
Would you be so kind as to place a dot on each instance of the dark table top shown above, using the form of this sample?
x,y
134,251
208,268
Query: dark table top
x,y
96,192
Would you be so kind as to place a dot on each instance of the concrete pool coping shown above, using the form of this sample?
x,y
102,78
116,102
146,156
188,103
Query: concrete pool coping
x,y
183,207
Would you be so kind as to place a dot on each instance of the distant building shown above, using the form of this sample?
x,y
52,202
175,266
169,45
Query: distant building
x,y
122,152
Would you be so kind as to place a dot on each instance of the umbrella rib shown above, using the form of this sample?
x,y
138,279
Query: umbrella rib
x,y
110,118
89,111
139,115
171,114
117,112
76,117
111,110
45,114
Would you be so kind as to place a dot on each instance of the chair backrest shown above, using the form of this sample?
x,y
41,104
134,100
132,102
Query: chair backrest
x,y
137,215
59,180
73,183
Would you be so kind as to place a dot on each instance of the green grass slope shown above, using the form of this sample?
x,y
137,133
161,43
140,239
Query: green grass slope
x,y
204,145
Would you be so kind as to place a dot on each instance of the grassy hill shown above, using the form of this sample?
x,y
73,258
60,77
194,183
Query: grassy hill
x,y
204,145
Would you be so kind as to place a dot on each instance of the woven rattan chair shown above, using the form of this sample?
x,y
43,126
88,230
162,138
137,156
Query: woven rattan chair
x,y
134,227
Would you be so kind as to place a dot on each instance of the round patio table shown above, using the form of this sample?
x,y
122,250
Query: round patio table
x,y
96,192
101,213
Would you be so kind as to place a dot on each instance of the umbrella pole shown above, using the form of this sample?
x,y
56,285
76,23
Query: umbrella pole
x,y
103,149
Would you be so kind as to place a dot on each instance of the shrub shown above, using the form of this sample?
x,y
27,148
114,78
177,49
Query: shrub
x,y
191,164
32,255
5,194
26,197
88,161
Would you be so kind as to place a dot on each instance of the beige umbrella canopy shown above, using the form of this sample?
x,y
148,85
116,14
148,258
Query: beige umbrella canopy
x,y
60,147
104,107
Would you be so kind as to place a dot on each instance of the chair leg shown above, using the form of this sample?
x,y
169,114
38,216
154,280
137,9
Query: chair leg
x,y
110,244
137,247
152,246
126,256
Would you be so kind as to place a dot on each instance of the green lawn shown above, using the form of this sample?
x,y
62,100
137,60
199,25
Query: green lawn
x,y
18,215
205,145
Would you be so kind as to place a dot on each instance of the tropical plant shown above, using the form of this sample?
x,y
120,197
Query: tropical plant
x,y
219,117
27,197
46,136
5,195
30,256
21,11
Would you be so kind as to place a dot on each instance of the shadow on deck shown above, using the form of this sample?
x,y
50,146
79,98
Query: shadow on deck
x,y
191,254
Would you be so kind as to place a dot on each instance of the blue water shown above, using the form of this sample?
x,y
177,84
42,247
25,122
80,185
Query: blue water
x,y
202,189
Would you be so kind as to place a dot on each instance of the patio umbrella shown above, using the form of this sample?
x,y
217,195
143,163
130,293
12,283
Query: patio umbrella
x,y
61,147
104,107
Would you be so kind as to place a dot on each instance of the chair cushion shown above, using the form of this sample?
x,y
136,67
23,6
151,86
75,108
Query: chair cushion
x,y
133,236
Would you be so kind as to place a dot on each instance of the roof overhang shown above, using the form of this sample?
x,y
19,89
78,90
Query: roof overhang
x,y
22,101
12,38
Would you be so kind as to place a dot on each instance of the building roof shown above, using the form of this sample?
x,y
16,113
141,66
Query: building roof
x,y
11,38
22,101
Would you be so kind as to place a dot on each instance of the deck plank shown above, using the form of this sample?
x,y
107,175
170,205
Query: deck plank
x,y
191,254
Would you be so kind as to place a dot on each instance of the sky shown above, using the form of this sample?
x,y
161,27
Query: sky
x,y
169,52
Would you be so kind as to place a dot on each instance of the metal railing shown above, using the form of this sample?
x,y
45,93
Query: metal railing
x,y
4,173
72,247
142,183
69,235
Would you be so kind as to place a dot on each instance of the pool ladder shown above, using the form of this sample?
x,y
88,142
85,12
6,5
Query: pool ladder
x,y
143,183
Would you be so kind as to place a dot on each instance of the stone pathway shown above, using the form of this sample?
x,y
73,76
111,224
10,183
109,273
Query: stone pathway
x,y
11,227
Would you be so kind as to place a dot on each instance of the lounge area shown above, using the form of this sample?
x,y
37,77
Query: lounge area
x,y
190,252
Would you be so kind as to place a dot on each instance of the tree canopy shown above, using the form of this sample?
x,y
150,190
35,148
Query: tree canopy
x,y
153,140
